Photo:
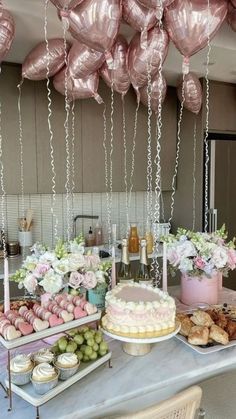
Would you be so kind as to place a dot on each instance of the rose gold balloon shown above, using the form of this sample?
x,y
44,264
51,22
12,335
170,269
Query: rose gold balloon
x,y
7,31
83,60
119,75
158,86
157,44
77,88
96,23
231,17
192,93
233,2
66,4
187,23
155,3
137,16
34,66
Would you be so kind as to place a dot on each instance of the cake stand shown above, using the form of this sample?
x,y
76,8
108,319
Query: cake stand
x,y
140,346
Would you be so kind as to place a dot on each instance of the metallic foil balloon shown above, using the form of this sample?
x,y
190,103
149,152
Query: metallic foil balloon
x,y
233,2
77,88
138,58
192,93
231,17
139,17
66,4
158,86
119,74
95,23
34,66
7,31
83,60
153,4
187,23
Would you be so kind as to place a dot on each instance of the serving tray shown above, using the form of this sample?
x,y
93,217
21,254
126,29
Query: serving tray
x,y
209,350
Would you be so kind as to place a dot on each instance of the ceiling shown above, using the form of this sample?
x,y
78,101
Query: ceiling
x,y
29,21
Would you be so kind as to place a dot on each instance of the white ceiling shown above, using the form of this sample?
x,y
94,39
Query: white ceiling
x,y
29,21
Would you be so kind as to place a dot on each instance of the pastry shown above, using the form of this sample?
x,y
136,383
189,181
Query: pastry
x,y
198,335
219,335
21,367
43,355
44,378
201,318
221,321
67,365
186,325
231,329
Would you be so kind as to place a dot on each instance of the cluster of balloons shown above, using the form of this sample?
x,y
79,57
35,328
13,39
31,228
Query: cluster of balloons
x,y
98,49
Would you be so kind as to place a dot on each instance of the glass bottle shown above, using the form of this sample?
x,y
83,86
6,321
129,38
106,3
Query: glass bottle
x,y
149,239
124,274
143,275
133,239
98,234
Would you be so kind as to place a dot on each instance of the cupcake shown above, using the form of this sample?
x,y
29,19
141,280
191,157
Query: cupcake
x,y
21,368
44,378
67,365
43,355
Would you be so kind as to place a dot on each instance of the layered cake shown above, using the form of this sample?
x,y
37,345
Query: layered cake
x,y
139,310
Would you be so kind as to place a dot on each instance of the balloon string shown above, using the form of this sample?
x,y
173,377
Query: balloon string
x,y
3,195
206,209
133,152
125,166
194,170
73,154
106,165
53,170
149,148
173,187
110,162
20,138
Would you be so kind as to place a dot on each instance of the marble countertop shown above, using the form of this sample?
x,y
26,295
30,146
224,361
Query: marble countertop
x,y
169,367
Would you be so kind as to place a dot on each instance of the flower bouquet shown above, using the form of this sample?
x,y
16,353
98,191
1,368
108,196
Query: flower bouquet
x,y
201,258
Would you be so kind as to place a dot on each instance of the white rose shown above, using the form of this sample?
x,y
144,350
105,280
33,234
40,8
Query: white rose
x,y
48,257
186,249
61,267
100,275
219,257
52,282
76,261
77,248
186,265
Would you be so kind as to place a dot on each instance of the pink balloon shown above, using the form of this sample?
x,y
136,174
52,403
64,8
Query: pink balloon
x,y
233,2
192,93
157,44
77,88
158,86
155,3
66,4
187,23
83,60
231,17
137,16
34,66
119,75
7,31
95,23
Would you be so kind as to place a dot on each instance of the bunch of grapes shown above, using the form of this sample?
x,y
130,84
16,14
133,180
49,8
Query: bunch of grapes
x,y
86,343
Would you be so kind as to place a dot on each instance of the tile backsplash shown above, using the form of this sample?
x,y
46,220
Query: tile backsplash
x,y
84,203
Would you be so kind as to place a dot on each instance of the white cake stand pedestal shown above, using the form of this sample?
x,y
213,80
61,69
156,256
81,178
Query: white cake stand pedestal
x,y
138,346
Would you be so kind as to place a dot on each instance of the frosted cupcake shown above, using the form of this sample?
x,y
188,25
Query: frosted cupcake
x,y
21,368
44,378
43,355
67,365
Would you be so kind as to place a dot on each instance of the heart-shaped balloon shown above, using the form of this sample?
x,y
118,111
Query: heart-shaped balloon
x,y
7,31
158,90
192,93
77,88
187,23
96,23
83,61
34,66
231,17
66,4
119,74
139,58
138,16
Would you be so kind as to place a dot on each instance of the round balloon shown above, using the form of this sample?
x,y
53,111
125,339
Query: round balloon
x,y
158,89
187,23
155,3
192,93
233,2
137,16
66,4
119,74
231,17
7,31
77,88
34,66
139,58
96,23
83,61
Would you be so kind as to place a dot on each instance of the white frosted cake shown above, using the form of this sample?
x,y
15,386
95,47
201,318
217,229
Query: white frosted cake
x,y
139,310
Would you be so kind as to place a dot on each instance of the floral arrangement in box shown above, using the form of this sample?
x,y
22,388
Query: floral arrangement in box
x,y
49,271
201,254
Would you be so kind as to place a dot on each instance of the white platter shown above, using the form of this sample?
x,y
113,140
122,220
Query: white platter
x,y
206,351
27,392
23,340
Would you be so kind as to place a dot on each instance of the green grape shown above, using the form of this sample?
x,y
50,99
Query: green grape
x,y
98,338
103,346
79,355
102,353
79,339
88,335
95,347
84,329
90,342
86,358
88,351
82,348
93,356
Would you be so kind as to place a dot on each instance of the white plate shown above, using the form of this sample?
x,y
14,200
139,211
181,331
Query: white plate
x,y
205,351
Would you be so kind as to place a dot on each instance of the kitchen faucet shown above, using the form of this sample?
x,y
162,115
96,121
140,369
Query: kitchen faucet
x,y
90,217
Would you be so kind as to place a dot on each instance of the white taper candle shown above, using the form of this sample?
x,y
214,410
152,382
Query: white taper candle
x,y
113,268
164,269
6,286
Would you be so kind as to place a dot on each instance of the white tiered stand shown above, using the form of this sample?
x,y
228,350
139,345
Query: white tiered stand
x,y
26,392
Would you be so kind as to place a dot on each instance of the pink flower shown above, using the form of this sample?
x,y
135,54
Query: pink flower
x,y
89,280
76,279
231,253
41,269
199,263
30,283
91,261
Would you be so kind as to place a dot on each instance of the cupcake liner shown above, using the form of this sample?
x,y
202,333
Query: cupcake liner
x,y
21,378
42,387
65,373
